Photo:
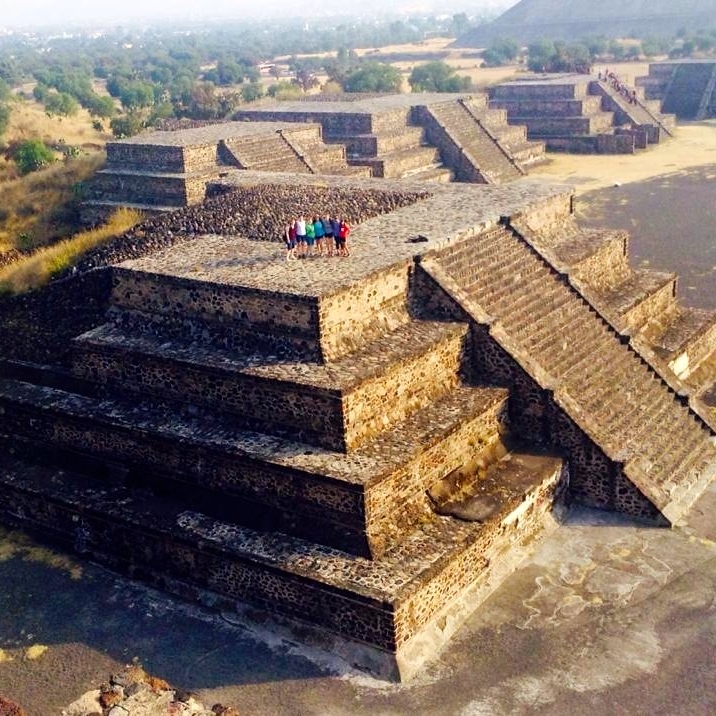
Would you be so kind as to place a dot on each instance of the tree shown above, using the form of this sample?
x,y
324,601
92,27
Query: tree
x,y
204,103
102,106
61,103
501,52
251,91
32,155
135,95
127,125
373,77
437,77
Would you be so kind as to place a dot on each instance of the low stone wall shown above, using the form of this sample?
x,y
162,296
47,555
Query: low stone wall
x,y
607,267
334,124
517,91
594,144
166,191
652,305
551,107
130,155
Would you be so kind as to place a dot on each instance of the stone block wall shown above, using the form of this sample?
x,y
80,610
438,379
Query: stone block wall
x,y
146,189
517,91
608,266
38,327
156,158
243,308
654,305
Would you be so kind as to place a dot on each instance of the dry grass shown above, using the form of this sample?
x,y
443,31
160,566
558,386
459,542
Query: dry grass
x,y
41,207
40,267
28,120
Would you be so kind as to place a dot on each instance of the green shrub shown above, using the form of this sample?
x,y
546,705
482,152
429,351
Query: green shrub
x,y
32,155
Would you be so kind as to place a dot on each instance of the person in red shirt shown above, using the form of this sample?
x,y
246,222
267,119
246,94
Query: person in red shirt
x,y
343,232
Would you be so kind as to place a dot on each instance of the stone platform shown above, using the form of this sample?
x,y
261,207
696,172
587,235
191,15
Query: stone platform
x,y
581,113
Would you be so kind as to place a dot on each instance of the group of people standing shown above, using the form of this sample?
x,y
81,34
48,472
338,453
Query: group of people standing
x,y
317,236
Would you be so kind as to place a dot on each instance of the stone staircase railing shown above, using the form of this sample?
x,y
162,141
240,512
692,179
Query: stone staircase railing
x,y
642,115
486,129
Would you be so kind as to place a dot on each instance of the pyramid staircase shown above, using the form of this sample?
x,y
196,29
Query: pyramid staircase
x,y
679,341
289,469
660,452
644,115
266,152
484,159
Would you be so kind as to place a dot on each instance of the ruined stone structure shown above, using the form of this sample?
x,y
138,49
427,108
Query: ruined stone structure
x,y
426,137
362,444
686,88
164,170
580,113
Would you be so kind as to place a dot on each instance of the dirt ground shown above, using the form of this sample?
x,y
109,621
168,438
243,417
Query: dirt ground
x,y
663,196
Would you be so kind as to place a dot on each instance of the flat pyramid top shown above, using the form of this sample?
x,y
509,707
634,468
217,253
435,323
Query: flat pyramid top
x,y
447,213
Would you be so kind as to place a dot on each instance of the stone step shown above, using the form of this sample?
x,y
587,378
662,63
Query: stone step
x,y
401,162
643,297
515,92
563,108
363,501
545,127
597,257
373,145
136,188
557,348
391,121
509,135
686,340
529,153
540,314
676,464
391,605
336,405
703,378
511,289
324,325
438,173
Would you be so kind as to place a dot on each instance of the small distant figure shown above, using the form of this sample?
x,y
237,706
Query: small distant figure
x,y
336,227
634,100
343,231
301,236
310,237
319,233
328,234
290,240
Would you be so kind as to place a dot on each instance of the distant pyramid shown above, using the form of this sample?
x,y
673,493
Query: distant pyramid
x,y
531,20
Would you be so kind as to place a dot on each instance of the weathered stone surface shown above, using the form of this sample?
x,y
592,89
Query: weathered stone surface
x,y
212,469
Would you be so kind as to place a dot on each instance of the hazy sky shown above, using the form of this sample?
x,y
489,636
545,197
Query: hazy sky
x,y
16,13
